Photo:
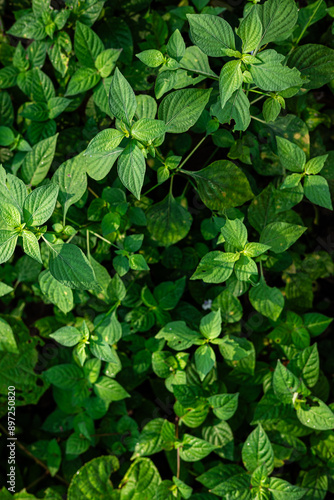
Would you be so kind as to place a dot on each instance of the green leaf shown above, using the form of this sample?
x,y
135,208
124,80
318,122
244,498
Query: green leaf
x,y
278,19
291,181
178,335
69,265
316,323
230,80
38,161
53,460
122,100
315,62
205,359
8,240
140,481
194,449
269,73
271,109
131,168
212,34
245,268
36,85
315,165
77,444
222,185
224,406
257,450
181,109
138,263
87,45
27,26
57,293
93,479
82,80
211,325
150,439
10,215
168,221
316,415
317,191
285,383
72,181
6,136
308,364
64,376
281,235
5,289
8,77
147,129
106,61
255,249
152,58
235,233
215,267
291,156
250,31
282,490
176,46
31,246
39,204
7,339
267,300
57,105
109,390
236,108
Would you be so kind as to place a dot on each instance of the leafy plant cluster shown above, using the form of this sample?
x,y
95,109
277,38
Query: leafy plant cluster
x,y
166,257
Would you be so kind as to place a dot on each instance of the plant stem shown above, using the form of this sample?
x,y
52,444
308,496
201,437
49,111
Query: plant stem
x,y
258,99
208,75
93,193
191,153
36,460
103,239
258,119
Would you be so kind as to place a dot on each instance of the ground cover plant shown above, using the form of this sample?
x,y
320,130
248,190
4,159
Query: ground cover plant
x,y
166,250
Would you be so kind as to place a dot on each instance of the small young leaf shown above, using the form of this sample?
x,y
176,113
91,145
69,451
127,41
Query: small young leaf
x,y
39,205
131,168
257,450
317,191
122,100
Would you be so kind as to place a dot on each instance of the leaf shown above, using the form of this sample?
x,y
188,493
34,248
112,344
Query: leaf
x,y
215,267
278,19
271,109
316,323
7,339
138,263
87,45
317,191
36,85
212,34
93,479
147,129
64,376
245,268
53,460
291,156
69,265
235,233
8,240
194,449
168,221
5,289
308,363
106,61
222,185
122,100
255,249
250,31
211,325
38,161
316,415
224,405
315,62
269,73
267,300
27,26
257,450
176,46
131,168
39,204
83,79
150,439
31,246
230,80
181,109
236,108
109,390
281,235
72,181
140,481
285,383
205,359
152,58
10,215
57,293
282,490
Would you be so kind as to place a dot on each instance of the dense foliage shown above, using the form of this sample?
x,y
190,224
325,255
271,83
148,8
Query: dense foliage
x,y
166,260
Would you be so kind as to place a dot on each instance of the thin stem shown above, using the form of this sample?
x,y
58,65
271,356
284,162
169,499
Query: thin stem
x,y
258,119
178,459
88,248
93,193
36,460
191,153
38,480
151,189
171,184
210,157
258,99
103,239
308,23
